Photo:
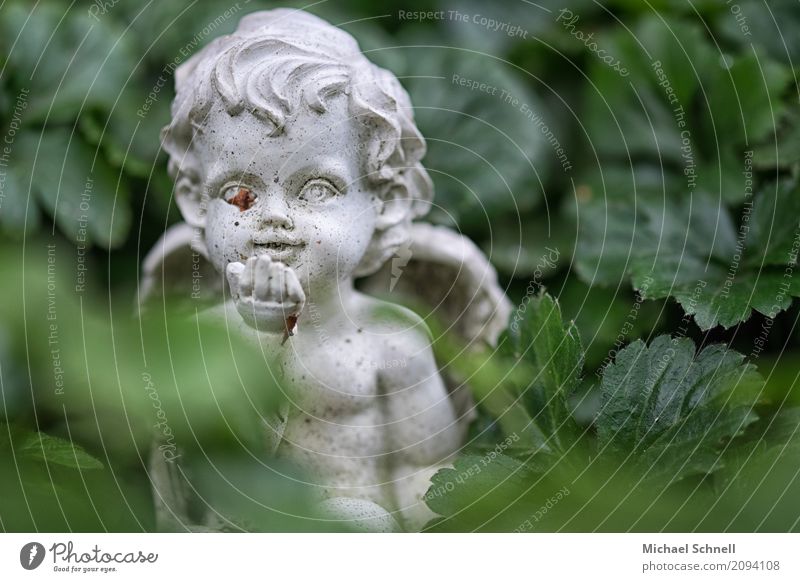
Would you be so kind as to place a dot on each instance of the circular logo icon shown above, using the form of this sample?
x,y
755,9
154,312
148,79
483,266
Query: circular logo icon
x,y
31,555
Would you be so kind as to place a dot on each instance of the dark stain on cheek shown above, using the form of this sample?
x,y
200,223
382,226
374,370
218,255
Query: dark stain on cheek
x,y
243,200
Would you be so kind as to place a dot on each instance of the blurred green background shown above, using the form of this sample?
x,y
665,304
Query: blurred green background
x,y
616,189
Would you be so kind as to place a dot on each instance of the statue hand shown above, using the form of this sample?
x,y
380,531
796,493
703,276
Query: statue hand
x,y
267,293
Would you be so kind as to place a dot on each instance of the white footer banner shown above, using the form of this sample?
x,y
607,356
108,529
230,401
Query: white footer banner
x,y
353,557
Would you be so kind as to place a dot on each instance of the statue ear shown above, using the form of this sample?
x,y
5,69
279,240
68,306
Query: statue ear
x,y
190,202
396,207
182,167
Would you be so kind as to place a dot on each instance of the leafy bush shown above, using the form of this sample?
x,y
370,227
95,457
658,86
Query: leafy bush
x,y
646,226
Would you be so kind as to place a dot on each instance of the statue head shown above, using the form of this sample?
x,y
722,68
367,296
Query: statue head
x,y
286,139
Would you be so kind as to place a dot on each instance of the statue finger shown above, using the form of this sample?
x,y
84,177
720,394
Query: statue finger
x,y
263,278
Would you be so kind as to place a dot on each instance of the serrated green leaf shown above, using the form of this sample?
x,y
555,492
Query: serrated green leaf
x,y
554,349
690,249
718,303
666,411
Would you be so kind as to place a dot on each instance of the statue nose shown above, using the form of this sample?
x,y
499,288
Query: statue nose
x,y
274,212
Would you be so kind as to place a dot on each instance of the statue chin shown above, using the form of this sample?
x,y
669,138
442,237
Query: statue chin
x,y
269,316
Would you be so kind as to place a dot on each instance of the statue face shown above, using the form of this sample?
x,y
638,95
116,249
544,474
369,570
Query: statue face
x,y
297,197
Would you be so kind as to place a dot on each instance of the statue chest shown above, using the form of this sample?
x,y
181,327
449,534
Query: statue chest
x,y
332,381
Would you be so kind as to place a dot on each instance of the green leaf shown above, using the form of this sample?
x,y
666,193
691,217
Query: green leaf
x,y
682,106
718,303
667,411
767,25
689,249
775,225
16,215
486,155
554,349
632,115
781,150
481,370
744,99
129,136
610,220
474,479
68,60
742,276
56,450
73,183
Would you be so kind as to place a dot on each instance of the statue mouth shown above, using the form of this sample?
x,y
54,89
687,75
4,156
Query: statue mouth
x,y
279,250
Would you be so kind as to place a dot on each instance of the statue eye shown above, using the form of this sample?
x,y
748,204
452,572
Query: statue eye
x,y
318,190
240,196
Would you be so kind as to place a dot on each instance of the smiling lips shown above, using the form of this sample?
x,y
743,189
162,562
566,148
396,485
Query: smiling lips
x,y
280,248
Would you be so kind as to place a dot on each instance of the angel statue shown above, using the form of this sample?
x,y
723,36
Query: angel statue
x,y
297,169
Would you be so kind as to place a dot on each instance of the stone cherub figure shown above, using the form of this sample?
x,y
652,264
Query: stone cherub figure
x,y
297,170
